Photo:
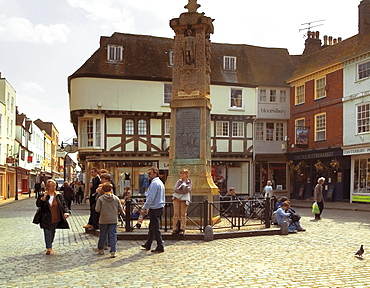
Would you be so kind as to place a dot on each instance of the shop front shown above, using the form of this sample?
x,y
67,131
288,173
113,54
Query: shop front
x,y
271,167
360,174
305,167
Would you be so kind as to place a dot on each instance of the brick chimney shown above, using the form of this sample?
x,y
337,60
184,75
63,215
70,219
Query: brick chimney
x,y
364,17
312,43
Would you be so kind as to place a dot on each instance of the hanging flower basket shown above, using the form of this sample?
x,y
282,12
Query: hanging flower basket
x,y
334,164
319,166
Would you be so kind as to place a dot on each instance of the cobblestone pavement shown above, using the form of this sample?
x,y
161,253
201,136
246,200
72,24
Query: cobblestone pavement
x,y
321,257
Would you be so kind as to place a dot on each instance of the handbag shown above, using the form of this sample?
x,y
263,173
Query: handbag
x,y
37,217
295,217
315,208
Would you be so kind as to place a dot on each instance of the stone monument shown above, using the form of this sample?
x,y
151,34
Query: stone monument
x,y
190,139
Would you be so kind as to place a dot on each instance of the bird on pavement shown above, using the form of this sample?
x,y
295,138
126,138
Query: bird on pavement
x,y
360,251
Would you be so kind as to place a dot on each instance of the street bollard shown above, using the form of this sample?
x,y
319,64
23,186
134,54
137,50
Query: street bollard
x,y
284,226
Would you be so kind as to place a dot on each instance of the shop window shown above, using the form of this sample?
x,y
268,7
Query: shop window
x,y
362,176
363,117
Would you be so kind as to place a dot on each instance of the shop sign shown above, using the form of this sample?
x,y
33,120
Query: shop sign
x,y
356,151
361,198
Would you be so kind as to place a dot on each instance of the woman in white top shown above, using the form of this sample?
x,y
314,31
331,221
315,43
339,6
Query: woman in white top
x,y
181,201
269,192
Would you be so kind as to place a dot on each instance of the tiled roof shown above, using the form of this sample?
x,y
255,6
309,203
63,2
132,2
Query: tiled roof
x,y
331,55
146,58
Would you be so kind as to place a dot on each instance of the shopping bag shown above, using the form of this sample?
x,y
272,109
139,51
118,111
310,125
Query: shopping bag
x,y
315,208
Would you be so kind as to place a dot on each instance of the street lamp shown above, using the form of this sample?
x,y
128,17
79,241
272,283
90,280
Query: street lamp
x,y
67,149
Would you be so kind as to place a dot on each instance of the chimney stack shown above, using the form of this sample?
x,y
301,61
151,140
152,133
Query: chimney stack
x,y
364,17
312,43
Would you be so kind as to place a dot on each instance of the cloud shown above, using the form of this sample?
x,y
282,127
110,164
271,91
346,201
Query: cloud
x,y
119,18
20,29
32,87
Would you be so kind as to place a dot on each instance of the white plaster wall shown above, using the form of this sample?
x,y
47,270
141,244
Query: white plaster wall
x,y
114,125
222,145
237,145
353,87
87,93
155,127
220,100
113,141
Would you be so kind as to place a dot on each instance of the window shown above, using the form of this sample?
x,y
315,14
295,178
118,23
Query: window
x,y
279,132
269,131
90,132
129,127
167,93
229,63
262,95
363,70
141,127
236,98
7,101
299,123
1,123
272,95
299,98
171,57
259,131
363,116
115,53
320,127
320,88
7,126
12,104
282,96
222,128
238,129
167,126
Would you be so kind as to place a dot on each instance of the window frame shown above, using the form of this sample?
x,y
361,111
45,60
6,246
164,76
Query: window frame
x,y
299,98
233,98
262,97
273,97
117,56
365,120
238,127
282,96
229,63
365,71
223,127
166,94
97,133
322,129
320,91
260,131
129,127
167,126
142,129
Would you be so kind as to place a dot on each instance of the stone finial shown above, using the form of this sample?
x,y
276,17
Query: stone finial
x,y
192,6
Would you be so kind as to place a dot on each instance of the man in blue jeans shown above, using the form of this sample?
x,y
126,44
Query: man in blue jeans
x,y
154,204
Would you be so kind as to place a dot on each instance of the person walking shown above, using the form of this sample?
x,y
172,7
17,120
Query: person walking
x,y
54,213
181,201
68,194
318,196
154,205
108,206
268,190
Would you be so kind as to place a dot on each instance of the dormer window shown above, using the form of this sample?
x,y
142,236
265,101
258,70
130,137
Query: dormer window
x,y
171,57
229,63
115,53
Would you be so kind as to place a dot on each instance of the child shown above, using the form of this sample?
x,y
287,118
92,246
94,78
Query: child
x,y
109,206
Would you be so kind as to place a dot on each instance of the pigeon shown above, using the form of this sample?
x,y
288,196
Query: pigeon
x,y
360,251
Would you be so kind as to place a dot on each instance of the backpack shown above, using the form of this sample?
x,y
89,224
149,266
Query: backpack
x,y
295,217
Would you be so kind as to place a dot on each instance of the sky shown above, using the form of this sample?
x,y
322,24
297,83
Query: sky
x,y
42,42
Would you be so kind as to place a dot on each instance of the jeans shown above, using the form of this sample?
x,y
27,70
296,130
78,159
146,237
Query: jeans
x,y
154,231
110,231
49,235
179,211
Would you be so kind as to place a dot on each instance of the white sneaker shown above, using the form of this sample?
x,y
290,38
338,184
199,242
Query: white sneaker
x,y
113,255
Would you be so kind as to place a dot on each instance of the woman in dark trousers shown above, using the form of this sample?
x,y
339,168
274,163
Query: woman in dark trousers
x,y
319,196
54,213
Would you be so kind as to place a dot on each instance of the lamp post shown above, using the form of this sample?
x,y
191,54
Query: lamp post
x,y
67,149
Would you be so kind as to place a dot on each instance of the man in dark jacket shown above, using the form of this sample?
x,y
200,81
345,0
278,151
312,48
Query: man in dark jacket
x,y
68,194
95,181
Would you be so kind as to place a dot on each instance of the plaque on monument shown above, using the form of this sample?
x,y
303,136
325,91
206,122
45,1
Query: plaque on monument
x,y
188,133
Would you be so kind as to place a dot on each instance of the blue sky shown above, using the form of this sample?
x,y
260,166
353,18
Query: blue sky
x,y
42,42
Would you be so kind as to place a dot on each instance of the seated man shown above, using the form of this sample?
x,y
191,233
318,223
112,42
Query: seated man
x,y
283,213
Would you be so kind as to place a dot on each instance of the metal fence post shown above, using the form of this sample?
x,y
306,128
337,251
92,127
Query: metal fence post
x,y
128,215
267,213
205,210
